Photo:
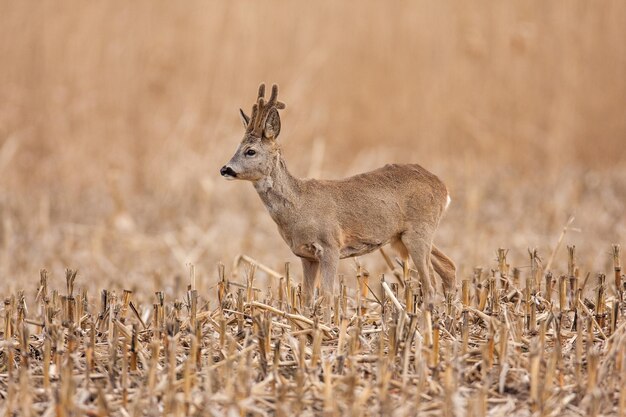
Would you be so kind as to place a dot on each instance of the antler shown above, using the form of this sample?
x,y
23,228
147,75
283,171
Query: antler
x,y
262,110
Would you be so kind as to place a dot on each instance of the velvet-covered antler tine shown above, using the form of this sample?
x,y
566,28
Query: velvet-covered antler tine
x,y
262,109
274,95
261,91
260,119
255,111
253,117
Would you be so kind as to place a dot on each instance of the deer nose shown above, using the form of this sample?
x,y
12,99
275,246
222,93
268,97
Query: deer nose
x,y
227,171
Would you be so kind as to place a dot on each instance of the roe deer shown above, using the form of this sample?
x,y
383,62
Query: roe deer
x,y
323,221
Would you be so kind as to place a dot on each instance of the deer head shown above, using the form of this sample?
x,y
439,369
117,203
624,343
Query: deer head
x,y
258,151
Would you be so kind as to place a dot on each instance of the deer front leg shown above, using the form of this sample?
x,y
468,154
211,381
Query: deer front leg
x,y
328,262
310,270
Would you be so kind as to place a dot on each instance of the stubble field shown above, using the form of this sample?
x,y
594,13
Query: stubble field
x,y
116,117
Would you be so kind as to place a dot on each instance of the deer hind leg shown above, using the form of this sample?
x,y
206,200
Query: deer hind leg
x,y
418,244
401,249
310,278
445,268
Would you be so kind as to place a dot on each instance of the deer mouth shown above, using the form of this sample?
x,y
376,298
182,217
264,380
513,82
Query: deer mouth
x,y
228,173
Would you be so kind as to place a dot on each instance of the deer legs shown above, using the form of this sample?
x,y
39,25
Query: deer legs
x,y
445,268
324,268
322,264
310,272
328,263
440,263
419,244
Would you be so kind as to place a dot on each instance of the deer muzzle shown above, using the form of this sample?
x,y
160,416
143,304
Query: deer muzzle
x,y
228,173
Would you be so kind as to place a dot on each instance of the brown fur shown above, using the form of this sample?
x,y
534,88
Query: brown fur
x,y
323,221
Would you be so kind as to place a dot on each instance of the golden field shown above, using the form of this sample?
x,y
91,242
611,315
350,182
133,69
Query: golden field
x,y
116,117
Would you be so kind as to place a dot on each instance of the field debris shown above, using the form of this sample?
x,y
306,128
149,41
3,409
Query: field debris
x,y
508,343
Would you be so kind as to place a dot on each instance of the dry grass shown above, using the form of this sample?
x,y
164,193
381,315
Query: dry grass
x,y
536,346
116,117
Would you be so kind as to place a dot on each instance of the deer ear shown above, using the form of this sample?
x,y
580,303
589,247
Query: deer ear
x,y
272,125
244,119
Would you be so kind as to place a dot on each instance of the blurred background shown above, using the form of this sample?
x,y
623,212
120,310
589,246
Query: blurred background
x,y
115,118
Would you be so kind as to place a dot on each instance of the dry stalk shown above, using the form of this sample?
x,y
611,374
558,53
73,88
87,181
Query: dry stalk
x,y
248,357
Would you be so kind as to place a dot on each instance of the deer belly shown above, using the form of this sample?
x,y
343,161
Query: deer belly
x,y
359,248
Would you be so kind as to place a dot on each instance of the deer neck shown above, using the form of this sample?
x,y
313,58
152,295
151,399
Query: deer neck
x,y
279,190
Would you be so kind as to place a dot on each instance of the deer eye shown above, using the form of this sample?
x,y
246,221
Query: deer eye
x,y
250,152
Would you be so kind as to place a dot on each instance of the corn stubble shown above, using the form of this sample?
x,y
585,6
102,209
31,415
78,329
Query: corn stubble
x,y
506,344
